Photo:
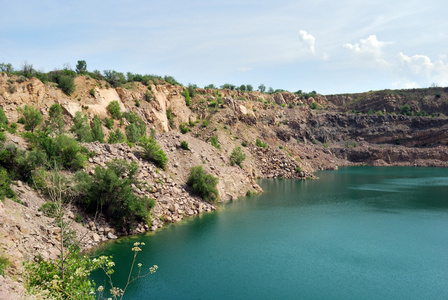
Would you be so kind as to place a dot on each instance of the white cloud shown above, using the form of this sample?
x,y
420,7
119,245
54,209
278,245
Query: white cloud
x,y
421,65
308,40
369,49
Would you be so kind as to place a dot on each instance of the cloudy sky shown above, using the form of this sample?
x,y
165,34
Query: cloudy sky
x,y
327,46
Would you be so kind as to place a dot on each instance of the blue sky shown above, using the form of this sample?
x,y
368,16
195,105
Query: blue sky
x,y
327,46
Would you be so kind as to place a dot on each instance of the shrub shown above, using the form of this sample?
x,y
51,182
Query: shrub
x,y
184,127
48,209
298,170
215,143
67,84
152,152
5,188
110,192
170,117
114,109
148,96
97,130
4,264
405,110
137,129
291,105
187,97
205,123
55,121
31,117
137,103
202,184
81,128
244,143
184,145
109,123
237,156
260,144
3,118
313,105
116,137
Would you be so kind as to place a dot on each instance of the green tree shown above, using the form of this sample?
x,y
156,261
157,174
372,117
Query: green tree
x,y
262,88
114,109
81,67
202,184
55,121
32,117
152,152
237,156
81,128
67,84
97,130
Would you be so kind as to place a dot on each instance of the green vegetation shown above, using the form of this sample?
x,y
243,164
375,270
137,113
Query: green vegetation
x,y
136,129
237,156
314,105
153,153
260,144
405,110
205,123
97,130
5,188
81,128
184,145
114,109
215,143
244,143
170,117
110,192
55,121
184,127
31,117
116,137
202,184
4,264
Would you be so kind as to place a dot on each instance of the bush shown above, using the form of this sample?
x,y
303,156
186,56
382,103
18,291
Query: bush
x,y
260,144
205,123
116,137
237,156
92,92
244,143
137,129
152,152
31,117
109,123
114,109
148,96
202,184
48,209
67,84
405,110
3,118
184,127
109,191
184,145
215,143
55,121
5,188
81,128
97,130
313,105
4,264
170,117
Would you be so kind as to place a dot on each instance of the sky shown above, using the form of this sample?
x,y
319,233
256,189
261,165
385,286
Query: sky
x,y
331,47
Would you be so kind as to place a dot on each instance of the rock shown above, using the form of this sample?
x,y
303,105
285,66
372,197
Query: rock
x,y
19,183
111,236
96,237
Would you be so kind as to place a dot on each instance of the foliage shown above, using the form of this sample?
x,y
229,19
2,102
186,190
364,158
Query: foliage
x,y
66,84
184,145
260,144
137,129
31,117
187,97
97,130
405,110
48,209
215,143
244,143
114,109
262,88
202,184
170,117
3,118
81,128
148,96
5,188
81,67
184,127
137,103
4,264
109,191
116,137
237,156
314,105
205,123
55,121
109,123
92,92
152,152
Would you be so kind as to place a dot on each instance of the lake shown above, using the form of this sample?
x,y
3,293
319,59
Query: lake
x,y
356,233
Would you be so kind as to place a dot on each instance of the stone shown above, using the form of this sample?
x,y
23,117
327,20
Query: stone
x,y
111,236
96,237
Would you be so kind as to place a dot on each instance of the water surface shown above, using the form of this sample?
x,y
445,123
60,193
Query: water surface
x,y
356,233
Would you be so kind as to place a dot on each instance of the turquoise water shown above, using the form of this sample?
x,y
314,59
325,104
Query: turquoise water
x,y
356,233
